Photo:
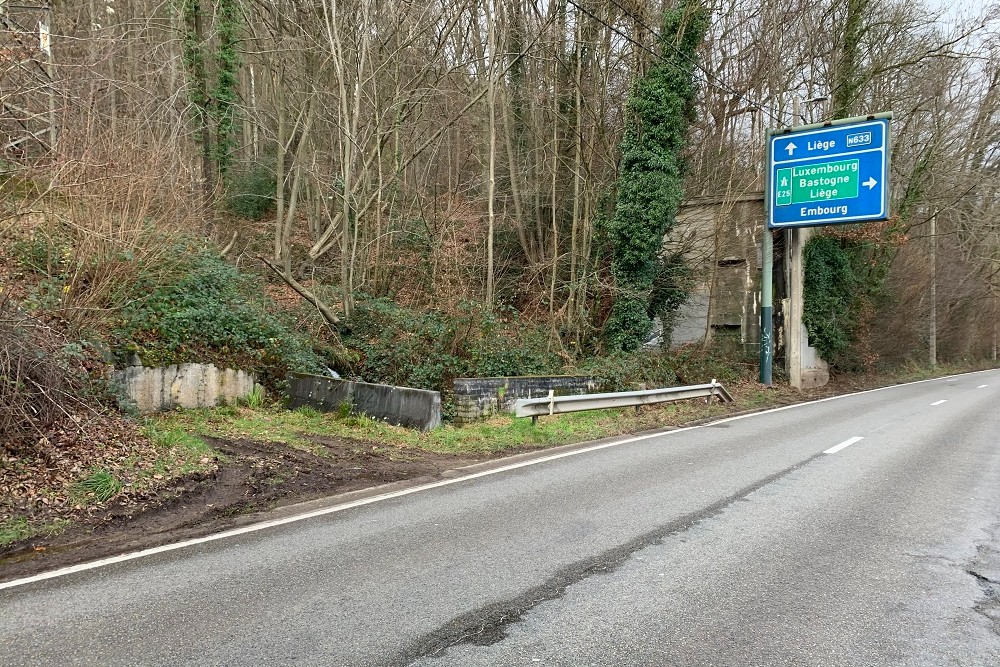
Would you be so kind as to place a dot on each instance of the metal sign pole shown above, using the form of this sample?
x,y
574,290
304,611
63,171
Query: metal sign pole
x,y
767,308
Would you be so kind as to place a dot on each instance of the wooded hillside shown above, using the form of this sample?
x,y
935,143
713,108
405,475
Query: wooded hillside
x,y
475,174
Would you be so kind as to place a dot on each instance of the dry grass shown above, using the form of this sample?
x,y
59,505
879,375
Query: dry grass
x,y
106,212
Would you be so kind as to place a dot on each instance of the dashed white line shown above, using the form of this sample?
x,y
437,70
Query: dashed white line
x,y
943,400
845,443
982,386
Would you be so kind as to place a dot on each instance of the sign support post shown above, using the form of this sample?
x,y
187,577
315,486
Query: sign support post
x,y
767,309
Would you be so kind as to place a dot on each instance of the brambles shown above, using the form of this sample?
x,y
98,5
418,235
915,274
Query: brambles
x,y
42,377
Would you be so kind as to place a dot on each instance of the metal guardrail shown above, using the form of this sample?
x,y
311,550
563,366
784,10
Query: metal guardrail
x,y
555,405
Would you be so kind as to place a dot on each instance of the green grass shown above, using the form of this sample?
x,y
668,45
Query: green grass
x,y
19,528
100,484
181,452
174,438
256,398
501,433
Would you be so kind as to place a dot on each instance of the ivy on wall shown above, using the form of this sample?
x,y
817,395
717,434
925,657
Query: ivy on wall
x,y
845,272
830,285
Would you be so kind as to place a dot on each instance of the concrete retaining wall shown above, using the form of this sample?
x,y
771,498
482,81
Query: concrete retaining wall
x,y
183,386
402,406
478,398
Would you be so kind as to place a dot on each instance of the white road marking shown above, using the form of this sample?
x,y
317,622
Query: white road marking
x,y
252,528
845,443
982,386
943,400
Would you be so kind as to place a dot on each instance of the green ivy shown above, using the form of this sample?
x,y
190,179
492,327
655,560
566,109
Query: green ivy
x,y
227,79
218,105
651,176
212,313
829,293
193,58
844,287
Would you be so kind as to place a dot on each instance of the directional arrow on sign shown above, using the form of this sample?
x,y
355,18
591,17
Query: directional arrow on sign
x,y
871,183
790,147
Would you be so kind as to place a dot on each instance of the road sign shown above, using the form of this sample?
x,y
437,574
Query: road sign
x,y
829,175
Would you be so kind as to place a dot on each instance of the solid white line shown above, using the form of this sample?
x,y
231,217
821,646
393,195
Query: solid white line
x,y
252,528
943,400
982,386
845,443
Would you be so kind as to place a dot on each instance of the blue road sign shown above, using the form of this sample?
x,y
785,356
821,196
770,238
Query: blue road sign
x,y
829,175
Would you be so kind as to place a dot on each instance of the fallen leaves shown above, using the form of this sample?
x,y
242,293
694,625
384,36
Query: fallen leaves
x,y
42,484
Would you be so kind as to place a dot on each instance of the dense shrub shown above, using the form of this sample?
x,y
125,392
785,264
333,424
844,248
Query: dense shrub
x,y
726,361
43,376
626,371
427,349
250,193
212,313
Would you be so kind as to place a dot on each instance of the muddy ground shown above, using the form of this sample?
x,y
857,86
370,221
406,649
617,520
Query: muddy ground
x,y
252,477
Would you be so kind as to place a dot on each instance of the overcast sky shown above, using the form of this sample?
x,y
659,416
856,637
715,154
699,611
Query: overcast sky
x,y
955,10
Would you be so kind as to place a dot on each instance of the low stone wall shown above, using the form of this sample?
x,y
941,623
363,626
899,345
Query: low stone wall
x,y
183,386
478,398
402,406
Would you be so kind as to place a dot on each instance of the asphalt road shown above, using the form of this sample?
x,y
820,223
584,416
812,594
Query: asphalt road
x,y
858,531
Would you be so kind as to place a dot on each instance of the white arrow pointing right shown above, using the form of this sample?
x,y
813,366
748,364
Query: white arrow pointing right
x,y
871,183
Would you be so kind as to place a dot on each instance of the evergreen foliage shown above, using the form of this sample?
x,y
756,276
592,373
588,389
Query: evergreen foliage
x,y
218,105
830,284
844,284
212,313
651,177
193,57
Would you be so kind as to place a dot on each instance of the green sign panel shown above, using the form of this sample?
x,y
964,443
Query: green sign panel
x,y
825,181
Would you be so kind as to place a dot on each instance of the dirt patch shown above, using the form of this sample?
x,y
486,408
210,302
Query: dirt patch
x,y
252,477
248,478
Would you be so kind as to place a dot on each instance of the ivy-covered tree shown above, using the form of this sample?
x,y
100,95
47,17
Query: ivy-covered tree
x,y
651,175
193,48
227,79
214,108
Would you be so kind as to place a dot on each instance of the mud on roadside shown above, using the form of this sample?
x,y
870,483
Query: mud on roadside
x,y
254,477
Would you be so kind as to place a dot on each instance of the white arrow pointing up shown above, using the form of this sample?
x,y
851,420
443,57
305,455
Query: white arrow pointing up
x,y
871,183
790,147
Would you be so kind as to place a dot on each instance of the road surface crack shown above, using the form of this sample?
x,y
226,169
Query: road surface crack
x,y
985,581
488,625
987,558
